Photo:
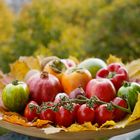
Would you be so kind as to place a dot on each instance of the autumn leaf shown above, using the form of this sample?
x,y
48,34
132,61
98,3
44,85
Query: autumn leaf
x,y
51,129
20,67
134,69
4,80
16,118
113,59
86,126
32,62
108,124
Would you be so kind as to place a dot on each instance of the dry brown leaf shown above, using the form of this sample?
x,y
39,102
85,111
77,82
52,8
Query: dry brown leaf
x,y
113,59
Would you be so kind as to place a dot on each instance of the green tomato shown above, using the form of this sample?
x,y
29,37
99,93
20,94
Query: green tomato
x,y
15,96
130,92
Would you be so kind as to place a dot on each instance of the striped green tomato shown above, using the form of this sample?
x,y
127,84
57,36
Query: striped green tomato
x,y
15,96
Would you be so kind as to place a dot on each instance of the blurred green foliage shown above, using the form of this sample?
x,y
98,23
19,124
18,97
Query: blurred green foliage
x,y
81,28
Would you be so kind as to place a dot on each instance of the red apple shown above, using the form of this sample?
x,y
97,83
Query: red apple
x,y
102,88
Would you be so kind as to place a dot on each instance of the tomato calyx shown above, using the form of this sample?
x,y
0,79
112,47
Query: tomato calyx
x,y
126,84
33,106
15,82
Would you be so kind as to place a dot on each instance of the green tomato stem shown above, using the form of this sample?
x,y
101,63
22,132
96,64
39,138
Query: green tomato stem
x,y
127,84
91,101
121,108
15,82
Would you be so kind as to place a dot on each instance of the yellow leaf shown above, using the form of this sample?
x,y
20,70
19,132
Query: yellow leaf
x,y
16,118
39,123
108,124
19,69
32,62
122,123
86,126
134,69
113,59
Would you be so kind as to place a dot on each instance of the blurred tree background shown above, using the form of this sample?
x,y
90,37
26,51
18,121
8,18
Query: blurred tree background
x,y
80,28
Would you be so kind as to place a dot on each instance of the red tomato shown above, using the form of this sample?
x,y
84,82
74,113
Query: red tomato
x,y
75,109
85,114
30,111
47,114
102,88
64,117
103,114
119,114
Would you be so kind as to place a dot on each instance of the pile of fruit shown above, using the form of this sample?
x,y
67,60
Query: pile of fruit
x,y
65,92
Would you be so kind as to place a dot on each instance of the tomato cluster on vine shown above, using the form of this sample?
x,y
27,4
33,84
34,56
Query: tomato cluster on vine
x,y
65,111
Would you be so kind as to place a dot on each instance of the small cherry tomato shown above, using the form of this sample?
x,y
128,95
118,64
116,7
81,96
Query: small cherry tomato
x,y
103,114
64,117
75,109
47,114
30,111
85,114
119,114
